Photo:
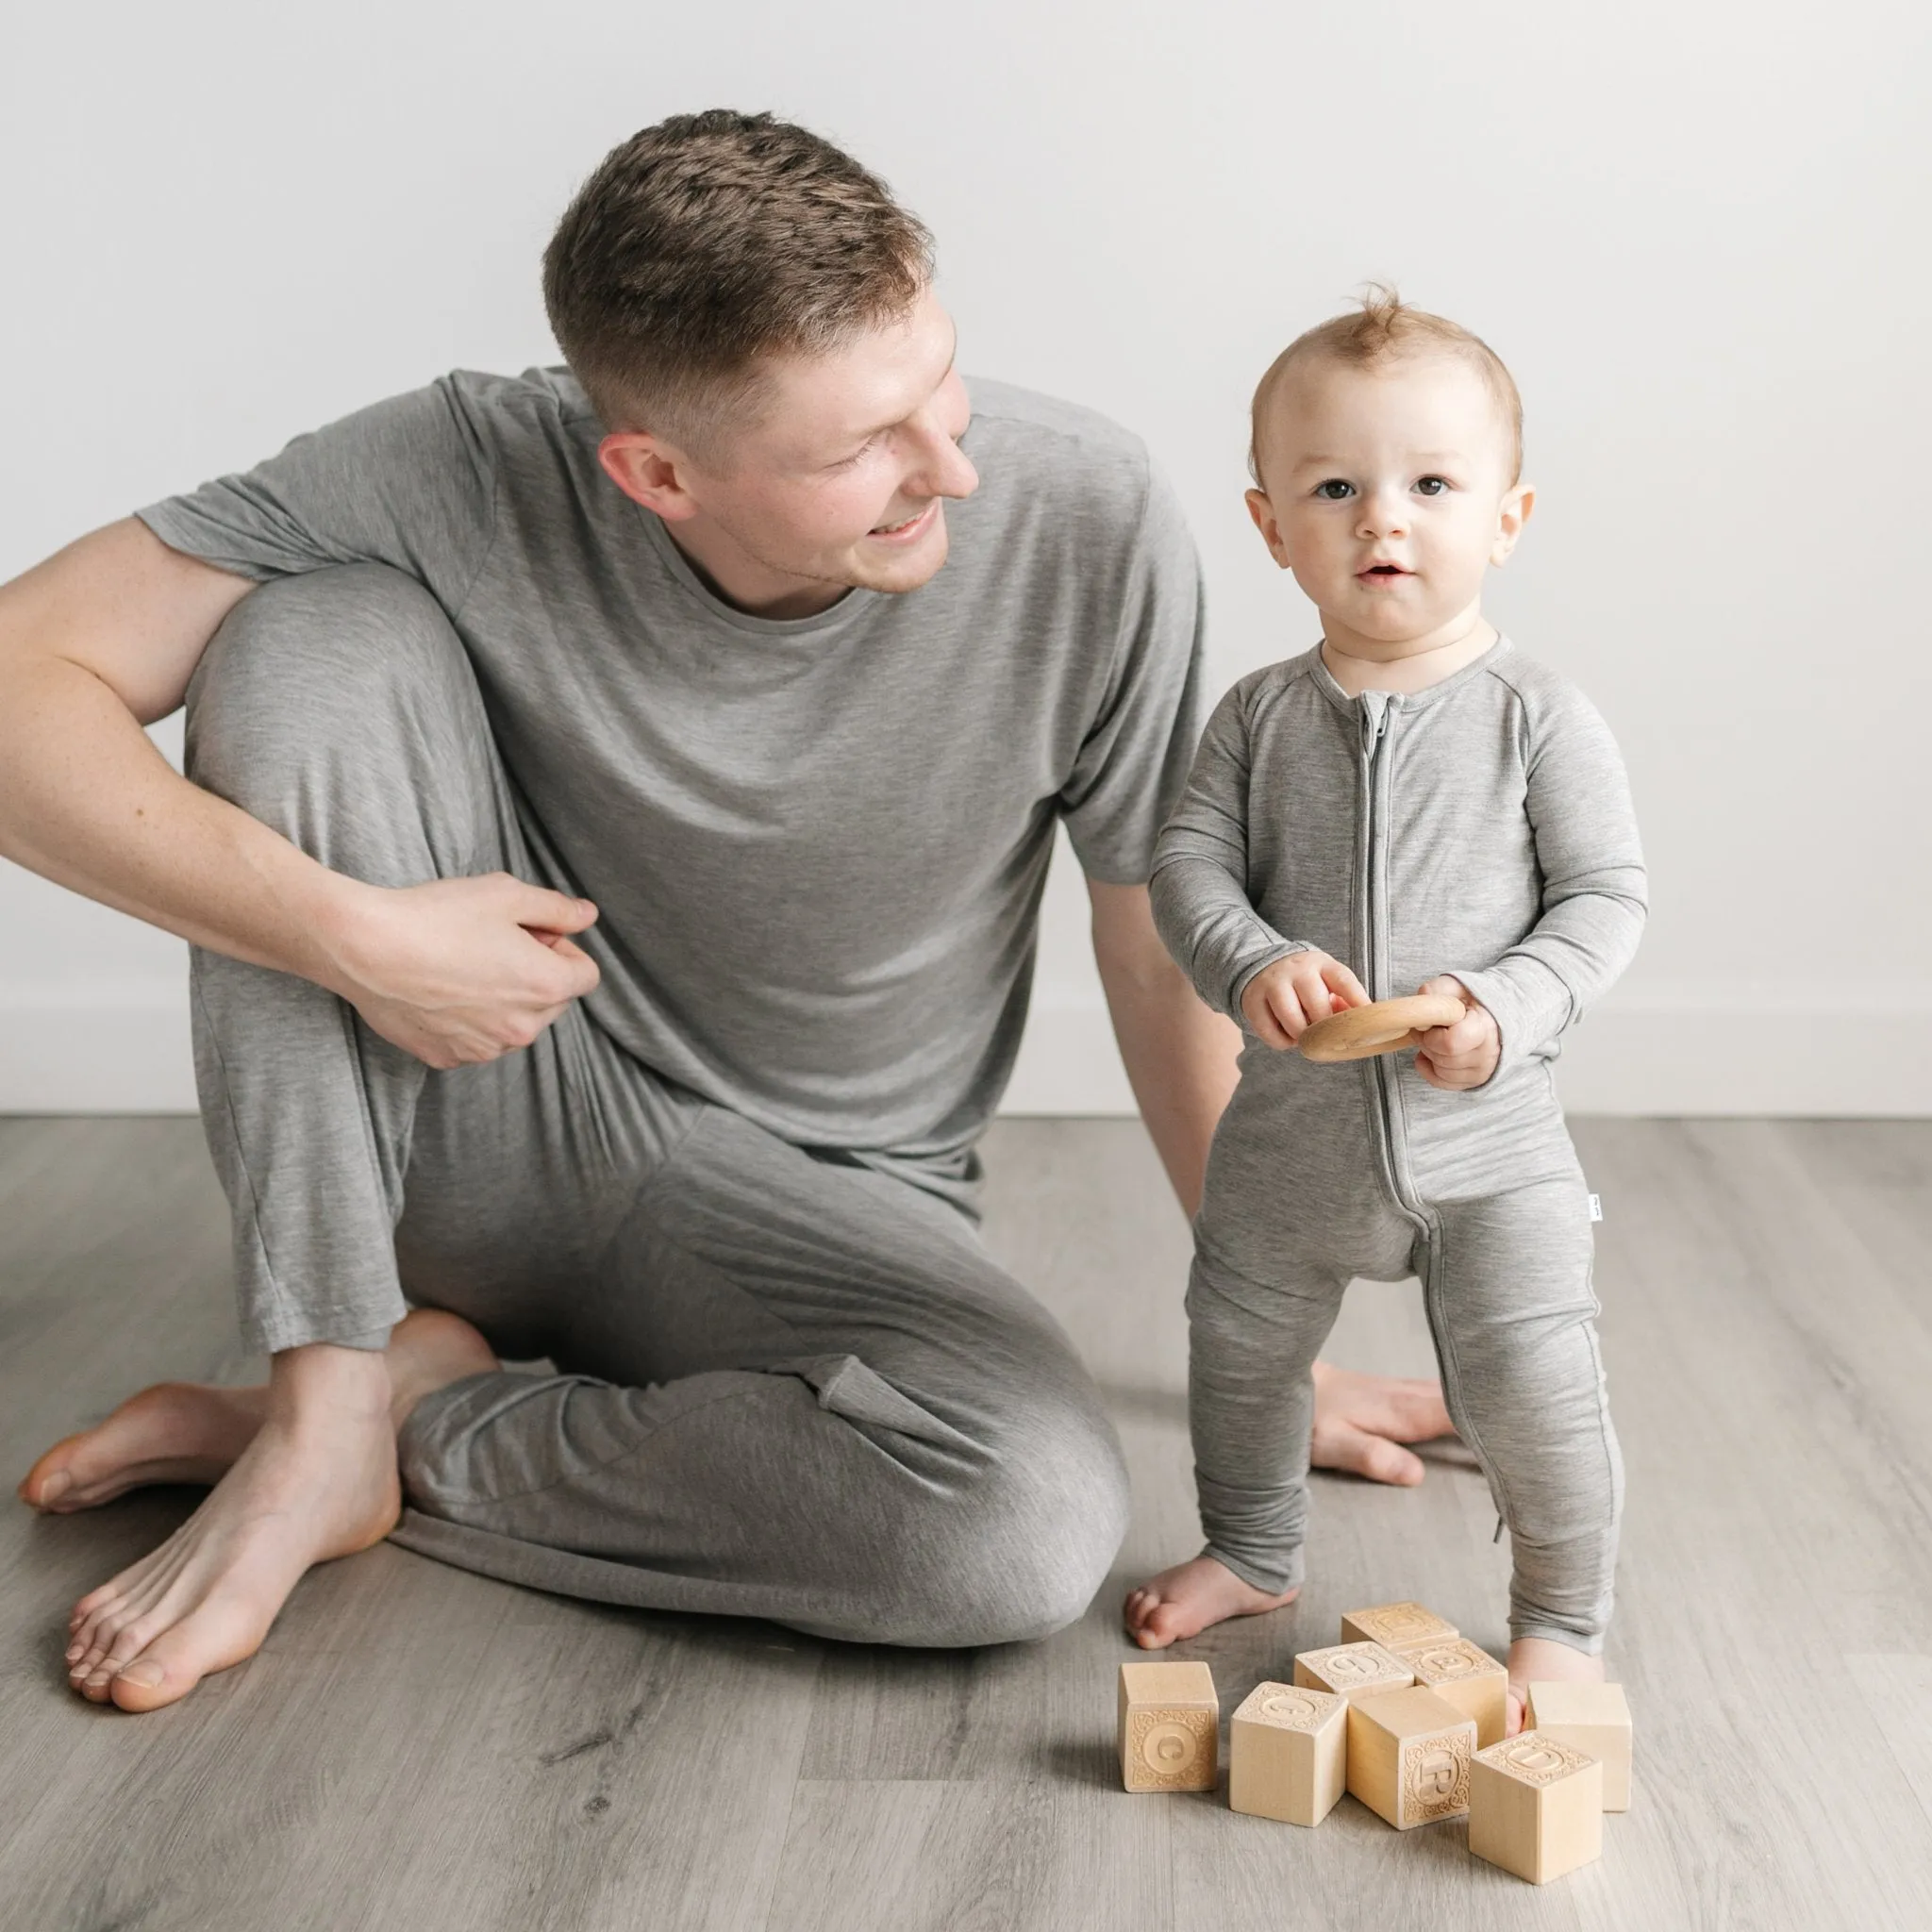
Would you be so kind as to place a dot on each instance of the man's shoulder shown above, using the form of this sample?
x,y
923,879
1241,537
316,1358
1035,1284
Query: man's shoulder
x,y
549,402
1032,449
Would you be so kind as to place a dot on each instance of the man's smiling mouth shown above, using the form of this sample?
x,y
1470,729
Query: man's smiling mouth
x,y
911,522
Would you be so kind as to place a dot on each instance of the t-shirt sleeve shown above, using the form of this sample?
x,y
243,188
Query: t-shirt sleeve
x,y
1134,758
408,482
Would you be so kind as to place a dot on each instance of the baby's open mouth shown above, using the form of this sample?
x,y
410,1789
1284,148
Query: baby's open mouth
x,y
1385,569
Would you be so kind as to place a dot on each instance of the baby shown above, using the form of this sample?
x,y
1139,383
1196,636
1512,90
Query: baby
x,y
1411,805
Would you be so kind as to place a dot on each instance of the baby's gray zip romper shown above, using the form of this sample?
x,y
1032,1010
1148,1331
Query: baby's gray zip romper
x,y
1481,827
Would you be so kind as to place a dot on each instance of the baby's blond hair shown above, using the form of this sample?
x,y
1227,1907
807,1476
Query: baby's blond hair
x,y
1383,329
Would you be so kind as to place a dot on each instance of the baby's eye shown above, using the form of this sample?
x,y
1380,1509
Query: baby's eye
x,y
1335,489
1431,485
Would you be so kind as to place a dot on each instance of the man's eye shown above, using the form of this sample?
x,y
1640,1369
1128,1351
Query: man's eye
x,y
1431,485
1334,490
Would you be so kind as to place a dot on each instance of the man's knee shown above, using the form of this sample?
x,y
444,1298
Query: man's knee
x,y
340,709
1030,1537
302,676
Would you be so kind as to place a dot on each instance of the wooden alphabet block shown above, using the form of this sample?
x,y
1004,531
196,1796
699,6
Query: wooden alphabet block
x,y
1536,1807
1395,1626
1287,1754
1591,1718
1351,1669
1469,1679
1170,1728
1409,1757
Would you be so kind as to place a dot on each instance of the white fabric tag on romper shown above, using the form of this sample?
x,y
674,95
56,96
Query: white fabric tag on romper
x,y
1597,1207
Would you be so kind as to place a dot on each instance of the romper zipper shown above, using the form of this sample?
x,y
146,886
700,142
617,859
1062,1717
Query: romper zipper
x,y
1378,709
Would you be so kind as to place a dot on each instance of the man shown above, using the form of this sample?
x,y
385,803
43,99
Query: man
x,y
612,848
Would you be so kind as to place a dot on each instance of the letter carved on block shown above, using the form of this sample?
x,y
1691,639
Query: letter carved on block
x,y
1435,1776
1535,1760
1170,1746
1290,1709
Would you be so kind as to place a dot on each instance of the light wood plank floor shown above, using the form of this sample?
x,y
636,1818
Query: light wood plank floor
x,y
418,1748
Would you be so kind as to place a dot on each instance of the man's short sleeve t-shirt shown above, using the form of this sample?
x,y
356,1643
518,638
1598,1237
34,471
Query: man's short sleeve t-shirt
x,y
817,845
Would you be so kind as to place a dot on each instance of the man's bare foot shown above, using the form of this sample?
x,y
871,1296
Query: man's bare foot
x,y
1182,1601
316,1479
1362,1421
1542,1661
175,1432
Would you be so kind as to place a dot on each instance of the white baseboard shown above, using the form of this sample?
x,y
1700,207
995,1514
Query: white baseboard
x,y
1642,1058
125,1050
108,1049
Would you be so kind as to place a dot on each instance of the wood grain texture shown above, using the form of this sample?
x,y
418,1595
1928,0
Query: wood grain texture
x,y
420,1748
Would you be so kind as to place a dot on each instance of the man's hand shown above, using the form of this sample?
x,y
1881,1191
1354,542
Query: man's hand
x,y
1464,1055
1285,999
462,971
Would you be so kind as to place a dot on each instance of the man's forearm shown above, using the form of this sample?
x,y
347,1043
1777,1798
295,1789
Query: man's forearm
x,y
1179,1056
86,800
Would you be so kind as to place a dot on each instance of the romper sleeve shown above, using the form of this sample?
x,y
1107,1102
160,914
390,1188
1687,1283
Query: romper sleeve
x,y
1201,904
1594,887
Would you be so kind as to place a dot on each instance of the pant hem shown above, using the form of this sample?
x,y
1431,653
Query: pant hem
x,y
351,1327
1270,1582
1590,1646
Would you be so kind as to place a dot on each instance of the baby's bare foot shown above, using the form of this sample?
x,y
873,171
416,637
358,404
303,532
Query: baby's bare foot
x,y
1542,1661
175,1432
1182,1601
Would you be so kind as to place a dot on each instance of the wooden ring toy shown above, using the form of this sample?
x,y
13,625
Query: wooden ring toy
x,y
1385,1026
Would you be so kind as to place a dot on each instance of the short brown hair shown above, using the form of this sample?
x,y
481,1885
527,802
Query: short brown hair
x,y
712,241
1381,329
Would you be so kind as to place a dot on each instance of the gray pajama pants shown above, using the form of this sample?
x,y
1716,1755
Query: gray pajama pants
x,y
790,1386
1299,1202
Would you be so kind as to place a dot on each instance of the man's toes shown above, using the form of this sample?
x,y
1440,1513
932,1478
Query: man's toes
x,y
46,1482
181,1657
160,1674
1424,1415
1345,1447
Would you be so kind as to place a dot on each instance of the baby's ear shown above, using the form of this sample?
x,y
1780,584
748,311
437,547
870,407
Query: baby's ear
x,y
1263,513
1512,514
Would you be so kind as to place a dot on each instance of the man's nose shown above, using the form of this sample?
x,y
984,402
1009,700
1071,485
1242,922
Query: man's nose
x,y
944,469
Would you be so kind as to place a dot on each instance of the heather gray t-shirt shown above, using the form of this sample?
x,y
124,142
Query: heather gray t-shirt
x,y
817,845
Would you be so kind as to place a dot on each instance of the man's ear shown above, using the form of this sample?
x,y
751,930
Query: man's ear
x,y
1263,513
649,470
1511,517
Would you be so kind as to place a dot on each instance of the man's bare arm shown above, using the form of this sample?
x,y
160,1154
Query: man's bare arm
x,y
97,642
102,639
1179,1056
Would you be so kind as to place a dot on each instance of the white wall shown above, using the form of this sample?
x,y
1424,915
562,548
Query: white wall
x,y
1696,231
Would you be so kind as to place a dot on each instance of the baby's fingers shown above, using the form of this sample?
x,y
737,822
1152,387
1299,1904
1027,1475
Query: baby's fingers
x,y
1340,979
1313,994
1285,1010
1461,1037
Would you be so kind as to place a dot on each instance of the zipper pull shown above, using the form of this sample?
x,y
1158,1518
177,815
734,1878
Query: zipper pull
x,y
1374,718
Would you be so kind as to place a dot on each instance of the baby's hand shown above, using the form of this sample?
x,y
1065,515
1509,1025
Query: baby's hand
x,y
1463,1055
1285,999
